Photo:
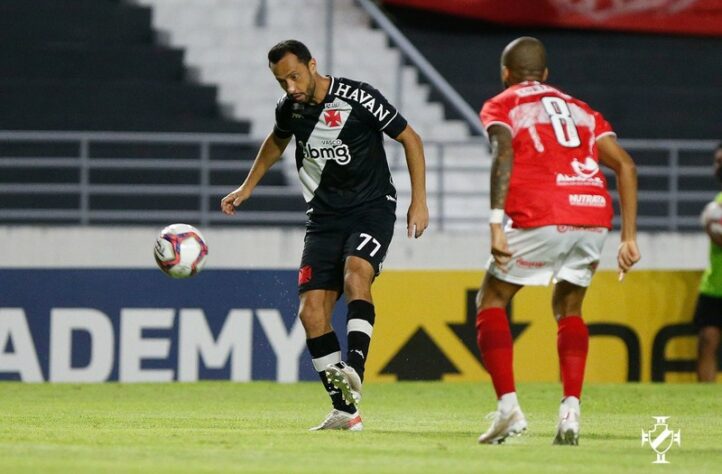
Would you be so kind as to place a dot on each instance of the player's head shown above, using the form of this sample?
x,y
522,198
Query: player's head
x,y
718,161
295,70
524,59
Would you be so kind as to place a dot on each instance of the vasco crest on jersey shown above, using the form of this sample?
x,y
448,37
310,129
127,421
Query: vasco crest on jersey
x,y
333,118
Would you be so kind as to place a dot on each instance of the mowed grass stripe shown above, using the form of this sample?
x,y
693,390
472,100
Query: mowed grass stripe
x,y
410,427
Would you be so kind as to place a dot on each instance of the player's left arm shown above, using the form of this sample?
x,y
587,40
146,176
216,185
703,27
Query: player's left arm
x,y
417,218
611,154
502,153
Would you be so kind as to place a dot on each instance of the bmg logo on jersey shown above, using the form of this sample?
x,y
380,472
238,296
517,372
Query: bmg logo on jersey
x,y
336,150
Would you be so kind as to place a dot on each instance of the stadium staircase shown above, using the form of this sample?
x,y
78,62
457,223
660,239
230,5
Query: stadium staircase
x,y
226,41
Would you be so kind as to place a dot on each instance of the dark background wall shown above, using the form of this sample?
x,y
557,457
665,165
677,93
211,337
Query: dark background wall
x,y
648,86
96,65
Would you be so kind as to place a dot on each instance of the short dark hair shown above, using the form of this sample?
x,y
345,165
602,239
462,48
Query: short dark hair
x,y
294,47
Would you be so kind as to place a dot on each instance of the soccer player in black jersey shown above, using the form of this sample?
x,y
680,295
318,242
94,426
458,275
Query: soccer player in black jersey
x,y
338,125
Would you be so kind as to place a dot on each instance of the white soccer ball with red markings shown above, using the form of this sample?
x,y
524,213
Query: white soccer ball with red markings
x,y
712,217
180,250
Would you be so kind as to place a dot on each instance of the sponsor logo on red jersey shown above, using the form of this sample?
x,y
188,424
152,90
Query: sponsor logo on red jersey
x,y
587,200
585,174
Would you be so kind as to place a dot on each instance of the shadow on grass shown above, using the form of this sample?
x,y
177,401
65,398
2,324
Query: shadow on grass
x,y
425,434
609,437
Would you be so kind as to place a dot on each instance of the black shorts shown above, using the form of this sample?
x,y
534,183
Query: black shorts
x,y
708,311
364,232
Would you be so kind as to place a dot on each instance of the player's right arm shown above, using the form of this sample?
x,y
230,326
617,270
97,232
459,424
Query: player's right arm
x,y
502,158
616,158
270,152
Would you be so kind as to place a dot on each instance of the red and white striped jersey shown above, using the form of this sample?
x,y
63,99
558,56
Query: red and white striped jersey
x,y
555,178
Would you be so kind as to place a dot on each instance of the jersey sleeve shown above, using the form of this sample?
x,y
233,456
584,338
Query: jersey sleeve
x,y
380,114
495,113
282,127
602,128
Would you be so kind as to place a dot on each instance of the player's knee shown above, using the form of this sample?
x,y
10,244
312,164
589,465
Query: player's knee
x,y
563,310
356,286
569,304
312,317
358,275
491,297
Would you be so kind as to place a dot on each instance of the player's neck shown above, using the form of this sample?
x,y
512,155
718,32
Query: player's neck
x,y
322,85
526,81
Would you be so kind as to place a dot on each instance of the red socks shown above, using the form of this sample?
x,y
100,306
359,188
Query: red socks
x,y
495,345
496,348
572,345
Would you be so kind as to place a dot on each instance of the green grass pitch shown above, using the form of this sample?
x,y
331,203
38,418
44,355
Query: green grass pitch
x,y
409,427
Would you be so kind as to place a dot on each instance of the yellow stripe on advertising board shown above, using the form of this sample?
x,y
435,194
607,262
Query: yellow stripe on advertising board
x,y
639,329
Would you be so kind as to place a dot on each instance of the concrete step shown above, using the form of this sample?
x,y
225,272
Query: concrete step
x,y
224,42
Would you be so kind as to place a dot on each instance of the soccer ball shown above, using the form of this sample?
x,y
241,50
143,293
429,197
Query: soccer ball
x,y
712,217
180,250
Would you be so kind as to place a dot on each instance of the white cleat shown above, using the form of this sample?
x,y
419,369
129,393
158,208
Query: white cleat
x,y
345,378
568,426
340,420
504,424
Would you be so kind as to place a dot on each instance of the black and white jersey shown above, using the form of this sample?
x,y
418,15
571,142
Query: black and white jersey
x,y
339,145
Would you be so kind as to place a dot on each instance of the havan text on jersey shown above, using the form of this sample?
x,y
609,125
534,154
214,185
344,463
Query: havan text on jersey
x,y
364,98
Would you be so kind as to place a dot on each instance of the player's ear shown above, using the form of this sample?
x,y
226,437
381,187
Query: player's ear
x,y
505,74
312,66
545,75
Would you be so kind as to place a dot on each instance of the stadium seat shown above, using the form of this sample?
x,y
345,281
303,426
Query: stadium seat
x,y
96,65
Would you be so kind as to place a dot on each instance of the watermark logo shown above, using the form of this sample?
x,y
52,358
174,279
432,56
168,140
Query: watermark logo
x,y
661,439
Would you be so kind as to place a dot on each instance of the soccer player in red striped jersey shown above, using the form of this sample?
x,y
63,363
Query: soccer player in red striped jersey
x,y
559,213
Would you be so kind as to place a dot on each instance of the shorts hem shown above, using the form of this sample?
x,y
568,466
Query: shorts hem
x,y
531,281
574,281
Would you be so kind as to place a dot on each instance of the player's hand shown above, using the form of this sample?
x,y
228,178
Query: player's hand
x,y
500,247
627,256
417,219
234,199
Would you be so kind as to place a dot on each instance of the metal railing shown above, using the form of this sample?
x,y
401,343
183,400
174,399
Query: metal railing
x,y
56,164
686,166
81,162
680,172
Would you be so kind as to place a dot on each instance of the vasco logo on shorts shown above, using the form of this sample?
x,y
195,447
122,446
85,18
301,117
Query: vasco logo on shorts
x,y
337,151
